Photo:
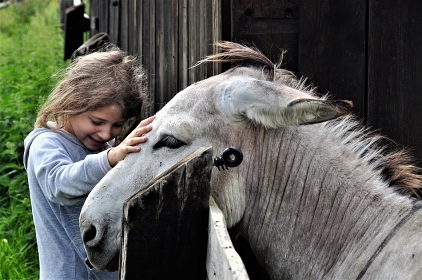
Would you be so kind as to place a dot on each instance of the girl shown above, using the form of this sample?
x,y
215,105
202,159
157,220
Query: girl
x,y
70,150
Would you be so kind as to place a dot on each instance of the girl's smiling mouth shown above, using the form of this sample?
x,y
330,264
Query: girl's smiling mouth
x,y
95,142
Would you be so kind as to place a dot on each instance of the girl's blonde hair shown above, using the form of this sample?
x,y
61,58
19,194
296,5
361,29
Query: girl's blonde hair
x,y
100,79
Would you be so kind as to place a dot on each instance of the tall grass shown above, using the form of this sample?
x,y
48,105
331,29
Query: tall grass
x,y
31,50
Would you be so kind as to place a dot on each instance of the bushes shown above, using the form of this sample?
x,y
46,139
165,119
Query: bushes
x,y
31,50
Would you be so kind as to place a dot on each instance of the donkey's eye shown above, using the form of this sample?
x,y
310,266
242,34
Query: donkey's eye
x,y
171,142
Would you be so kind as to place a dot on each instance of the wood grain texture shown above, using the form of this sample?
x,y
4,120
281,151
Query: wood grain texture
x,y
165,226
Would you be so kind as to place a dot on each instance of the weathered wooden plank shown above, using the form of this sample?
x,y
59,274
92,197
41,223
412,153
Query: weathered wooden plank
x,y
170,36
133,28
217,32
124,24
193,18
269,25
166,50
394,71
209,38
147,48
165,226
331,48
223,262
183,41
64,4
114,19
74,29
203,37
99,17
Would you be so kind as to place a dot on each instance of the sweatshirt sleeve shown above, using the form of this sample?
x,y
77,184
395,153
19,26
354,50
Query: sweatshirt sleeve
x,y
63,173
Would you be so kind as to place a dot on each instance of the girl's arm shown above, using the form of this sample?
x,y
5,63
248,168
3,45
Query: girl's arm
x,y
65,174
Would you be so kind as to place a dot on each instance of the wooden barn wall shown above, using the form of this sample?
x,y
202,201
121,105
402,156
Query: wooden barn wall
x,y
365,51
170,36
395,69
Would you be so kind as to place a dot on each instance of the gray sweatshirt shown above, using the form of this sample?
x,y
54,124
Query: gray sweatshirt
x,y
61,173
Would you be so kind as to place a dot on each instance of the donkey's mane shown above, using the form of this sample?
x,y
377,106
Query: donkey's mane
x,y
393,164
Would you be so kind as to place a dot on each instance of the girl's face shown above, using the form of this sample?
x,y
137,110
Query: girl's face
x,y
94,128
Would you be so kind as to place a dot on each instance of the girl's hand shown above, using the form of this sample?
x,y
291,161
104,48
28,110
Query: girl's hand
x,y
129,144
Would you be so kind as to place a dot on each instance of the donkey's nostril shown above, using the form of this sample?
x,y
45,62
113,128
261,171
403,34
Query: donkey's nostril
x,y
88,263
89,234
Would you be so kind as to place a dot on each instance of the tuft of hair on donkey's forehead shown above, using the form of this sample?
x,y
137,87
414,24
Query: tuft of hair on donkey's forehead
x,y
260,66
395,166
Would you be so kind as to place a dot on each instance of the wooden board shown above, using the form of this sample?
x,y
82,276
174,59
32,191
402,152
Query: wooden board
x,y
332,48
272,26
165,227
223,262
169,36
395,69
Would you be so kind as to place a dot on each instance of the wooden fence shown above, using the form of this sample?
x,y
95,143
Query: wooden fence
x,y
170,36
171,231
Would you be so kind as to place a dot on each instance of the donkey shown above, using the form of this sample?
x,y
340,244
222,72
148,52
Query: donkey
x,y
317,196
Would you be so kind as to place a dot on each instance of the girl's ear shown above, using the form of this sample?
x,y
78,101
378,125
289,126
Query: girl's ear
x,y
272,105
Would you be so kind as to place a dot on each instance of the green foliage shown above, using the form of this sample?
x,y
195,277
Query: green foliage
x,y
31,50
20,12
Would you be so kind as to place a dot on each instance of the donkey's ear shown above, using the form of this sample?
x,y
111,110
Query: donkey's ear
x,y
309,111
273,105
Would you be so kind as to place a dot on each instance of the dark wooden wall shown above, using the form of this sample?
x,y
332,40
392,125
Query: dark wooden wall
x,y
165,225
365,51
170,36
394,70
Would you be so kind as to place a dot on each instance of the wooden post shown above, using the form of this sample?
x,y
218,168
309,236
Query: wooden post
x,y
165,227
75,26
223,262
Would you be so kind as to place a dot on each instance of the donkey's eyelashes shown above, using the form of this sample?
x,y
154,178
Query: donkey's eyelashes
x,y
170,142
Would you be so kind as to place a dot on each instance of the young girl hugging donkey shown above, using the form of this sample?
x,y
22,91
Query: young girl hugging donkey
x,y
71,149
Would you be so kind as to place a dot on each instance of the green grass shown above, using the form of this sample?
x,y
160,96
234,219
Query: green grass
x,y
31,50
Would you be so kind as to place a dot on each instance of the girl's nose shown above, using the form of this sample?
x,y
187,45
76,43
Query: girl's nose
x,y
105,134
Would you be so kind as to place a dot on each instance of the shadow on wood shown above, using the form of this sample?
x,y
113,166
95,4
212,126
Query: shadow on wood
x,y
165,226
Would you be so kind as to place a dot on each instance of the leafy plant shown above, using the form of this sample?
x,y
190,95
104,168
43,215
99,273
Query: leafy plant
x,y
31,50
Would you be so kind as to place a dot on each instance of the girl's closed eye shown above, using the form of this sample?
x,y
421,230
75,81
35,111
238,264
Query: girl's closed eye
x,y
96,122
119,124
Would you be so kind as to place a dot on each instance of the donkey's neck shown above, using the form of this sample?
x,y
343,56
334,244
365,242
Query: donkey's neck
x,y
315,206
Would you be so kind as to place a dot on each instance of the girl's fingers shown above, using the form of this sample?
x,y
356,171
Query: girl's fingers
x,y
139,132
146,121
142,130
136,140
135,149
